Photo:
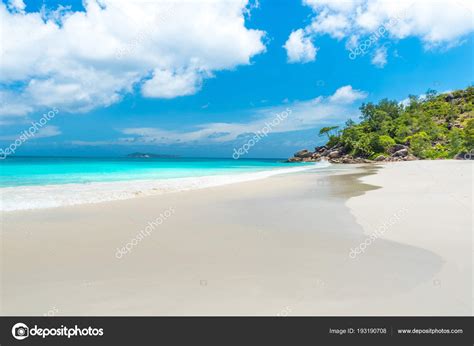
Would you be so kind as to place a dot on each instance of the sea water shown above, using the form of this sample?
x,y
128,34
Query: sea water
x,y
46,182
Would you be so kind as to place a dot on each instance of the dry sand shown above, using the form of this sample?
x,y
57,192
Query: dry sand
x,y
278,246
437,198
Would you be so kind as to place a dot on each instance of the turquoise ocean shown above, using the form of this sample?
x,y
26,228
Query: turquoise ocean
x,y
43,182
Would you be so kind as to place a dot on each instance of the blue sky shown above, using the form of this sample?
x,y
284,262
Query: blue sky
x,y
235,77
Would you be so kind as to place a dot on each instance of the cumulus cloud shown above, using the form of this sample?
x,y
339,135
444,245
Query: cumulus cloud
x,y
81,60
299,47
16,5
437,23
302,115
169,84
343,6
346,95
335,25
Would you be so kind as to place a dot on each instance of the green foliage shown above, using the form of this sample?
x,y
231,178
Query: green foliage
x,y
456,142
333,140
383,143
363,147
468,135
380,117
438,151
435,126
419,143
327,131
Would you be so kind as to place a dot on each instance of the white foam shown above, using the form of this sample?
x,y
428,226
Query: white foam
x,y
52,196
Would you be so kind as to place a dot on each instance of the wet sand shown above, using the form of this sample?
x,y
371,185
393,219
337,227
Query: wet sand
x,y
278,246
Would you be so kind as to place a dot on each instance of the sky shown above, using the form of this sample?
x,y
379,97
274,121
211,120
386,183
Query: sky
x,y
200,78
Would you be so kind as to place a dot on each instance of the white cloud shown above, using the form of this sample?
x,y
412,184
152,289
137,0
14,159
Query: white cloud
x,y
406,101
78,61
335,25
335,5
16,5
168,84
304,115
379,58
346,95
48,131
299,48
11,104
437,23
43,132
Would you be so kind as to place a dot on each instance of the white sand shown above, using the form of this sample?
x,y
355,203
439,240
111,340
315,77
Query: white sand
x,y
278,246
437,196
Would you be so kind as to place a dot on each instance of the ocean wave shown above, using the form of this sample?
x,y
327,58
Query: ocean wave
x,y
53,196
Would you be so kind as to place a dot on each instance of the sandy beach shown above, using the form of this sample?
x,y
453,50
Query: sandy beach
x,y
276,246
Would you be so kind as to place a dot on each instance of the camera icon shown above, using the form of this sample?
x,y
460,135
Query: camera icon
x,y
20,331
469,155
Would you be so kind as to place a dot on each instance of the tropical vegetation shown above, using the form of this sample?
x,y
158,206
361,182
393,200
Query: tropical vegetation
x,y
432,126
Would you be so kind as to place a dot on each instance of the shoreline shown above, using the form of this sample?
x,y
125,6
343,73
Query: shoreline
x,y
31,197
275,247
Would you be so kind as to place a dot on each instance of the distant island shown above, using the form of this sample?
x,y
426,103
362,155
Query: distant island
x,y
139,155
434,126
